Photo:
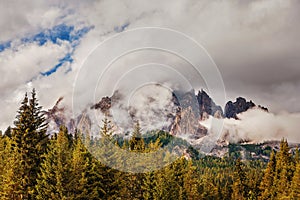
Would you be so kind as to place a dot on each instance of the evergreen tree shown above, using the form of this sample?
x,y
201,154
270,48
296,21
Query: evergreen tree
x,y
54,177
190,181
102,148
11,187
148,186
105,150
284,170
239,188
29,142
8,132
84,183
295,185
268,180
3,156
137,142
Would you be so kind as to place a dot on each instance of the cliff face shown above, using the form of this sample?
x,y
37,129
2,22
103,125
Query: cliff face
x,y
57,116
188,110
207,106
191,110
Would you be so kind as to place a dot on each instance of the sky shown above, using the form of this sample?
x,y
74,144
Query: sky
x,y
254,44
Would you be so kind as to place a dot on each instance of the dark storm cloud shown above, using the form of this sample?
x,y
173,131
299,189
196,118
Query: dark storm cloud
x,y
259,57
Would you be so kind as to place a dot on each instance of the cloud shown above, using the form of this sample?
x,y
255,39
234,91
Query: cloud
x,y
257,126
151,105
27,61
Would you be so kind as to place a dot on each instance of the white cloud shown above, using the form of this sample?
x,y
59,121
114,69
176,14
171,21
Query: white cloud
x,y
257,126
24,63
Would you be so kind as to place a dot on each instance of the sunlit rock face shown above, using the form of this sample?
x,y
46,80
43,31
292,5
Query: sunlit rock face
x,y
188,115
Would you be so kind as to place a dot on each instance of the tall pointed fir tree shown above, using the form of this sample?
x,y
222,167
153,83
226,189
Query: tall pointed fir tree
x,y
132,182
266,186
284,170
136,142
240,190
55,172
29,142
85,181
105,151
11,187
3,156
295,185
102,148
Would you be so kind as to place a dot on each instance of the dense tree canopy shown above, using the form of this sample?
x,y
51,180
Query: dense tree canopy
x,y
68,165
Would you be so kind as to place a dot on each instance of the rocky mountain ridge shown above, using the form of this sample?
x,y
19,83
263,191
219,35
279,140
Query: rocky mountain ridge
x,y
239,106
190,108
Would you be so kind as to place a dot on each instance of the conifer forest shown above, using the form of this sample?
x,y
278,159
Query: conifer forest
x,y
65,165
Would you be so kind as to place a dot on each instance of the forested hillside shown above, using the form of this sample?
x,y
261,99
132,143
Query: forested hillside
x,y
67,165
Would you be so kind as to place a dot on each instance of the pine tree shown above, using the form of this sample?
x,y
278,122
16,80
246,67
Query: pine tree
x,y
295,185
11,187
137,142
107,155
3,156
106,129
84,183
54,177
8,132
190,181
268,179
29,142
103,148
148,185
239,188
284,171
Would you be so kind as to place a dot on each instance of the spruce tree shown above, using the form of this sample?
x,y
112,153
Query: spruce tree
x,y
54,178
148,185
190,181
267,190
11,187
284,170
239,188
84,183
295,185
136,142
29,142
3,156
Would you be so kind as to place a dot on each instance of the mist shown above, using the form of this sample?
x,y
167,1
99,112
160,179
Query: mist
x,y
257,126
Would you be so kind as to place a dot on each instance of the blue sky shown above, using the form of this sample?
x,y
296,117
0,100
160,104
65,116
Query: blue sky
x,y
58,33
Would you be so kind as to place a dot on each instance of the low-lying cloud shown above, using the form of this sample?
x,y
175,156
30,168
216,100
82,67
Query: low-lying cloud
x,y
256,125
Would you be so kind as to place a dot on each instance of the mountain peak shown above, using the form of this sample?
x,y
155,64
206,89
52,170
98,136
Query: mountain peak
x,y
239,106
